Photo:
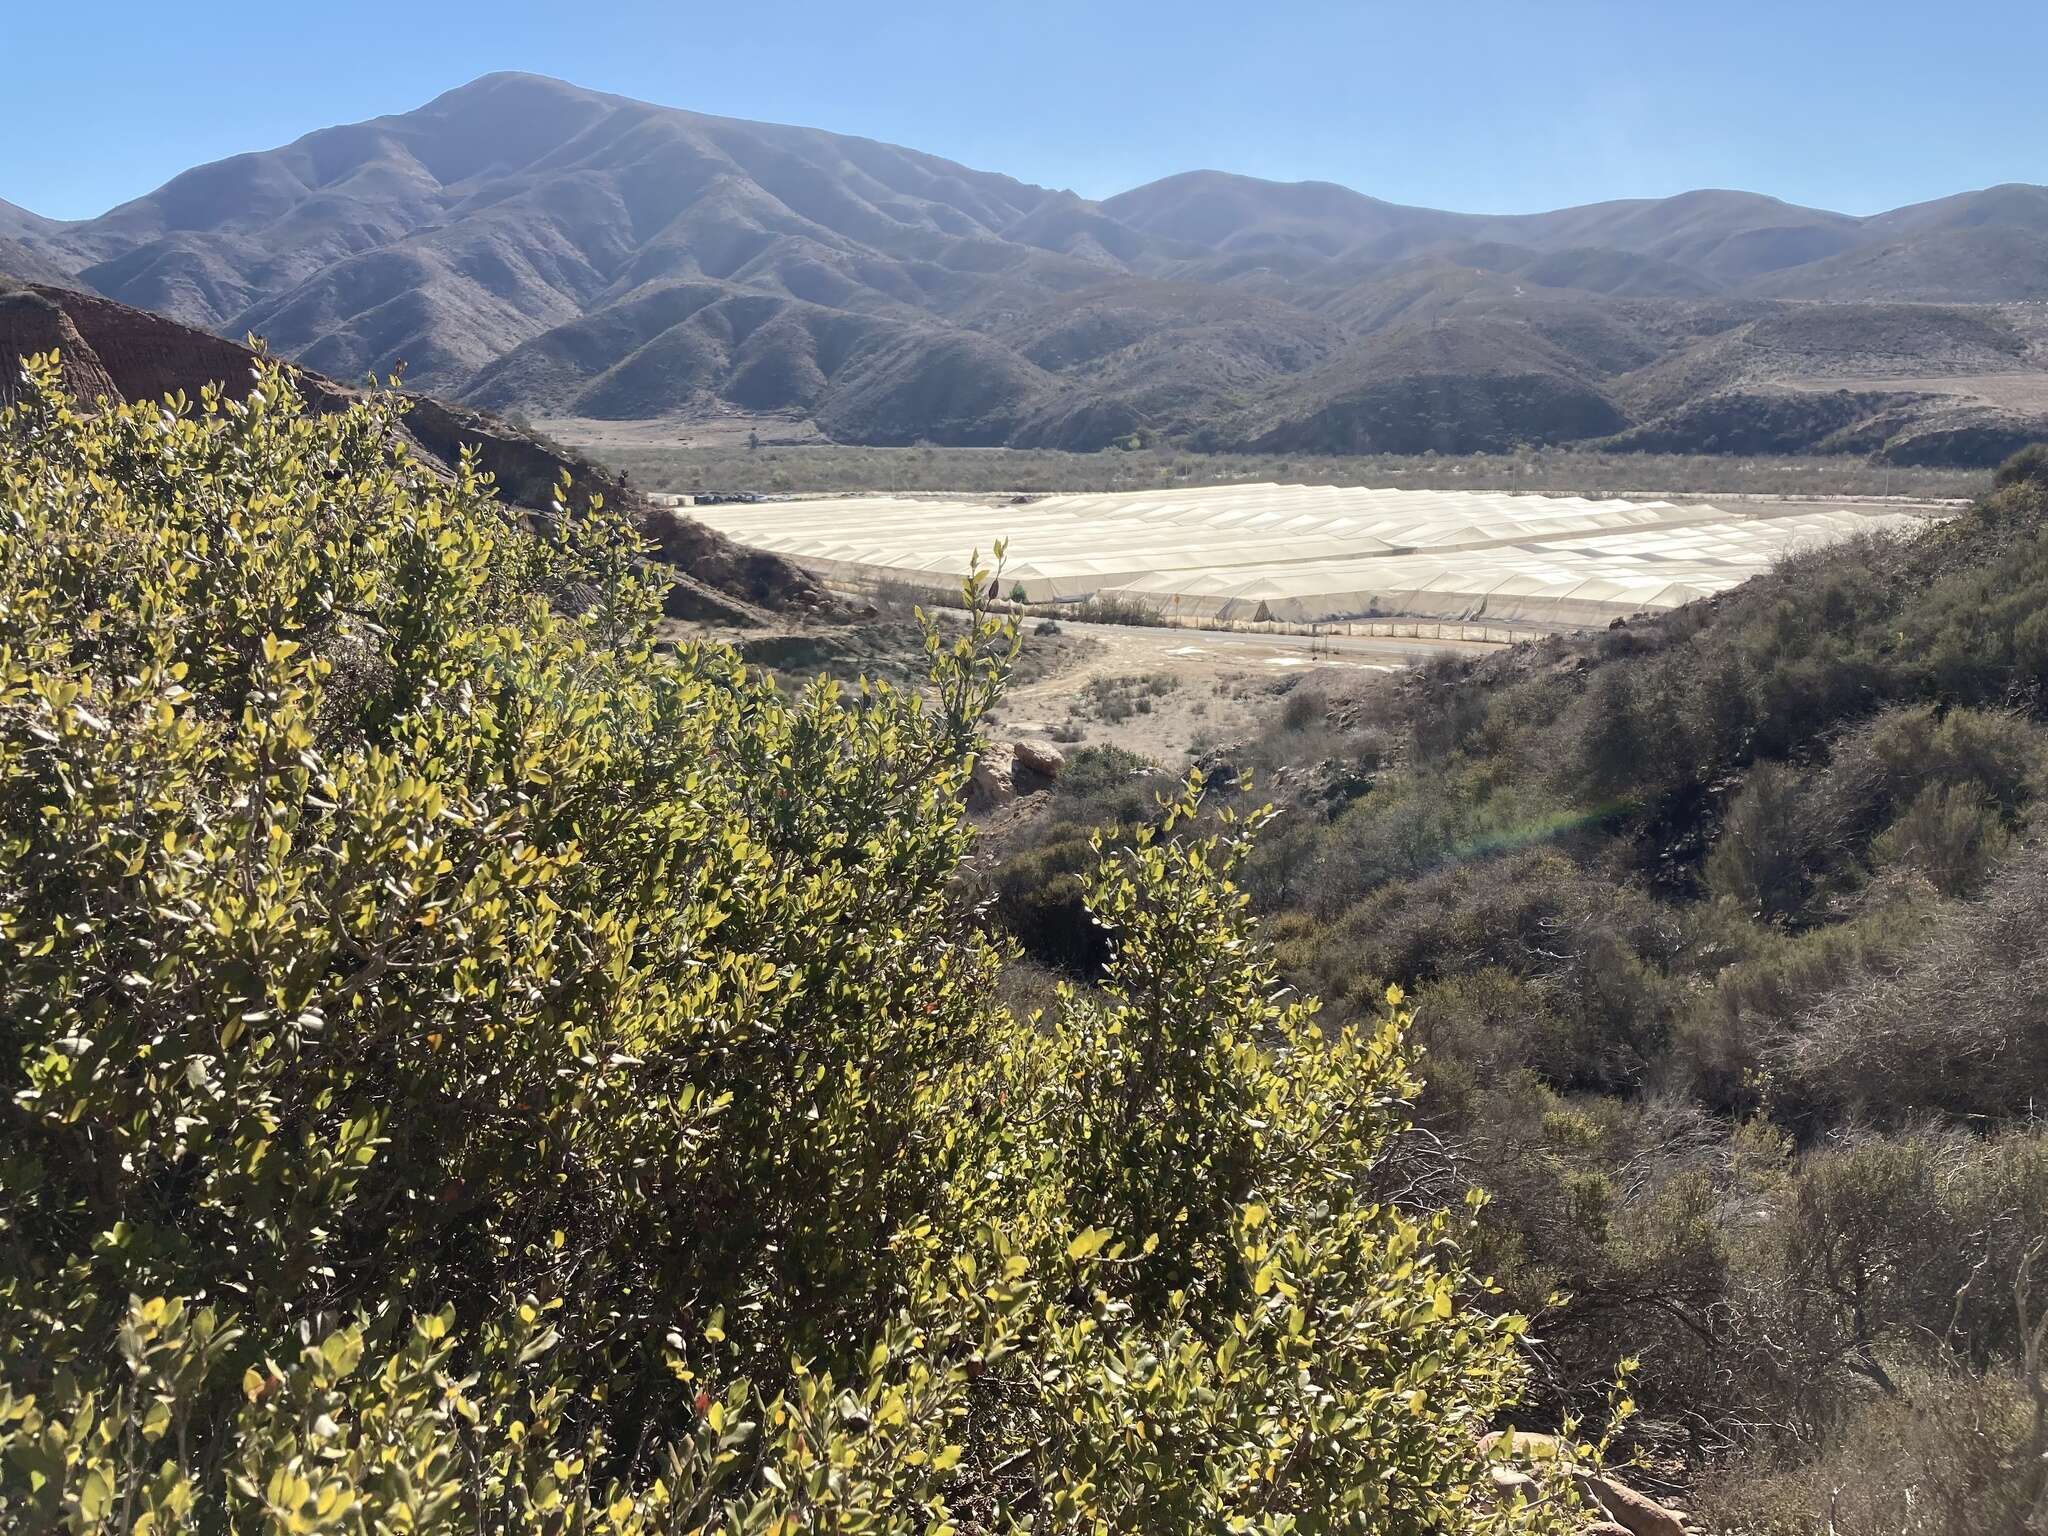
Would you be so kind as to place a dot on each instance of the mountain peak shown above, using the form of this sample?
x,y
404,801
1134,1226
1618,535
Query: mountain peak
x,y
508,87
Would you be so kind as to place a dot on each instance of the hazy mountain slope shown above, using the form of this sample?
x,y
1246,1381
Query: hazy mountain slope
x,y
2013,204
1844,342
17,220
530,244
1476,384
1224,213
448,235
1848,378
1719,235
20,260
1164,357
1968,264
1590,268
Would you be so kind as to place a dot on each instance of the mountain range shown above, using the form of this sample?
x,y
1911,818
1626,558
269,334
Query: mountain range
x,y
524,245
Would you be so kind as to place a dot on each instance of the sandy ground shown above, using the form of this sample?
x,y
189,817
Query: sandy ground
x,y
1200,687
1157,692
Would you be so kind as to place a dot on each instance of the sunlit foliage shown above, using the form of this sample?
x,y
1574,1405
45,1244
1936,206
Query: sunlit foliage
x,y
466,1069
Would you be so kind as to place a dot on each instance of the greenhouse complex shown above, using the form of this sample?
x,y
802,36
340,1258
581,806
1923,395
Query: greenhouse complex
x,y
1305,554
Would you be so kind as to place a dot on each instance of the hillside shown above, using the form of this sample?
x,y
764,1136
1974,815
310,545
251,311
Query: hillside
x,y
529,245
1722,930
111,352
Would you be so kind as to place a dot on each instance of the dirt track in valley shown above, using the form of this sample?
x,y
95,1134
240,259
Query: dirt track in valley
x,y
1211,685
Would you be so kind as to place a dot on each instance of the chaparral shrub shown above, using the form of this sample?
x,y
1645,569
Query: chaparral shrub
x,y
467,1070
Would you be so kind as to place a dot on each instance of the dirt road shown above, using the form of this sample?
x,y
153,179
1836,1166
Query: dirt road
x,y
1163,692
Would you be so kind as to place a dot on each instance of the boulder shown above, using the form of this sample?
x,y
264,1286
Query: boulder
x,y
1040,757
1630,1512
1636,1513
994,780
1508,1484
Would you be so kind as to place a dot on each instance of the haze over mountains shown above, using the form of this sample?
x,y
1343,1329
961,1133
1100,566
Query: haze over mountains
x,y
520,243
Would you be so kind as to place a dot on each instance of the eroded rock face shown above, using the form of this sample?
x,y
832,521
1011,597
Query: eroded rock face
x,y
994,780
148,357
31,323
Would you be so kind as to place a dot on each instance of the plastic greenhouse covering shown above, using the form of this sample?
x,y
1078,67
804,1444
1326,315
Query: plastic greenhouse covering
x,y
1304,554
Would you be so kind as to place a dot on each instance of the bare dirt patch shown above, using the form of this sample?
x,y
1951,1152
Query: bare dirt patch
x,y
1196,687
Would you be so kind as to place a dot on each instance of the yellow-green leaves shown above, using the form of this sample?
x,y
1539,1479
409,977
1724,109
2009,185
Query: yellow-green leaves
x,y
467,1070
1088,1243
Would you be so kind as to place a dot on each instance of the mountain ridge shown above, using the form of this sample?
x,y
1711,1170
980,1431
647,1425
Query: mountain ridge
x,y
533,245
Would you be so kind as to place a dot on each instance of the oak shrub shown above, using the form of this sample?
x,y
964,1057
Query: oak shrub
x,y
466,1069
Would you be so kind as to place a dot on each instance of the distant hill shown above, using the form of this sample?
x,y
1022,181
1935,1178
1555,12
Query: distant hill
x,y
529,245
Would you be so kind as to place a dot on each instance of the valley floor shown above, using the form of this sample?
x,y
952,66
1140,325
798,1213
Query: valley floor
x,y
715,459
1168,693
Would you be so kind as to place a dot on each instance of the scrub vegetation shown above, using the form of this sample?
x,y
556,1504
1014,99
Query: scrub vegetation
x,y
815,468
469,1069
1723,937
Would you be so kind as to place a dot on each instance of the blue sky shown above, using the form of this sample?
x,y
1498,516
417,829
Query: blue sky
x,y
1464,104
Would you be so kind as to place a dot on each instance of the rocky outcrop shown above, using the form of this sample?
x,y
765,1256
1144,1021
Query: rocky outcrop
x,y
1041,758
753,575
148,357
1005,770
31,323
526,471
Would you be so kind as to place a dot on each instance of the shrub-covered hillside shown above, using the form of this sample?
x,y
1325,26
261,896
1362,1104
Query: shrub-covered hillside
x,y
465,1070
1727,939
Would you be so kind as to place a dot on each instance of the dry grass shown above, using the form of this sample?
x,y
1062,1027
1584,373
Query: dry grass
x,y
823,468
1945,1456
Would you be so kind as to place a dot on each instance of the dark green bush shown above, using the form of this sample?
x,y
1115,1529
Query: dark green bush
x,y
1094,774
1951,834
1761,859
2027,467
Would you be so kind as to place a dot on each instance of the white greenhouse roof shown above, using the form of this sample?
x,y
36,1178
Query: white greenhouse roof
x,y
1302,553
